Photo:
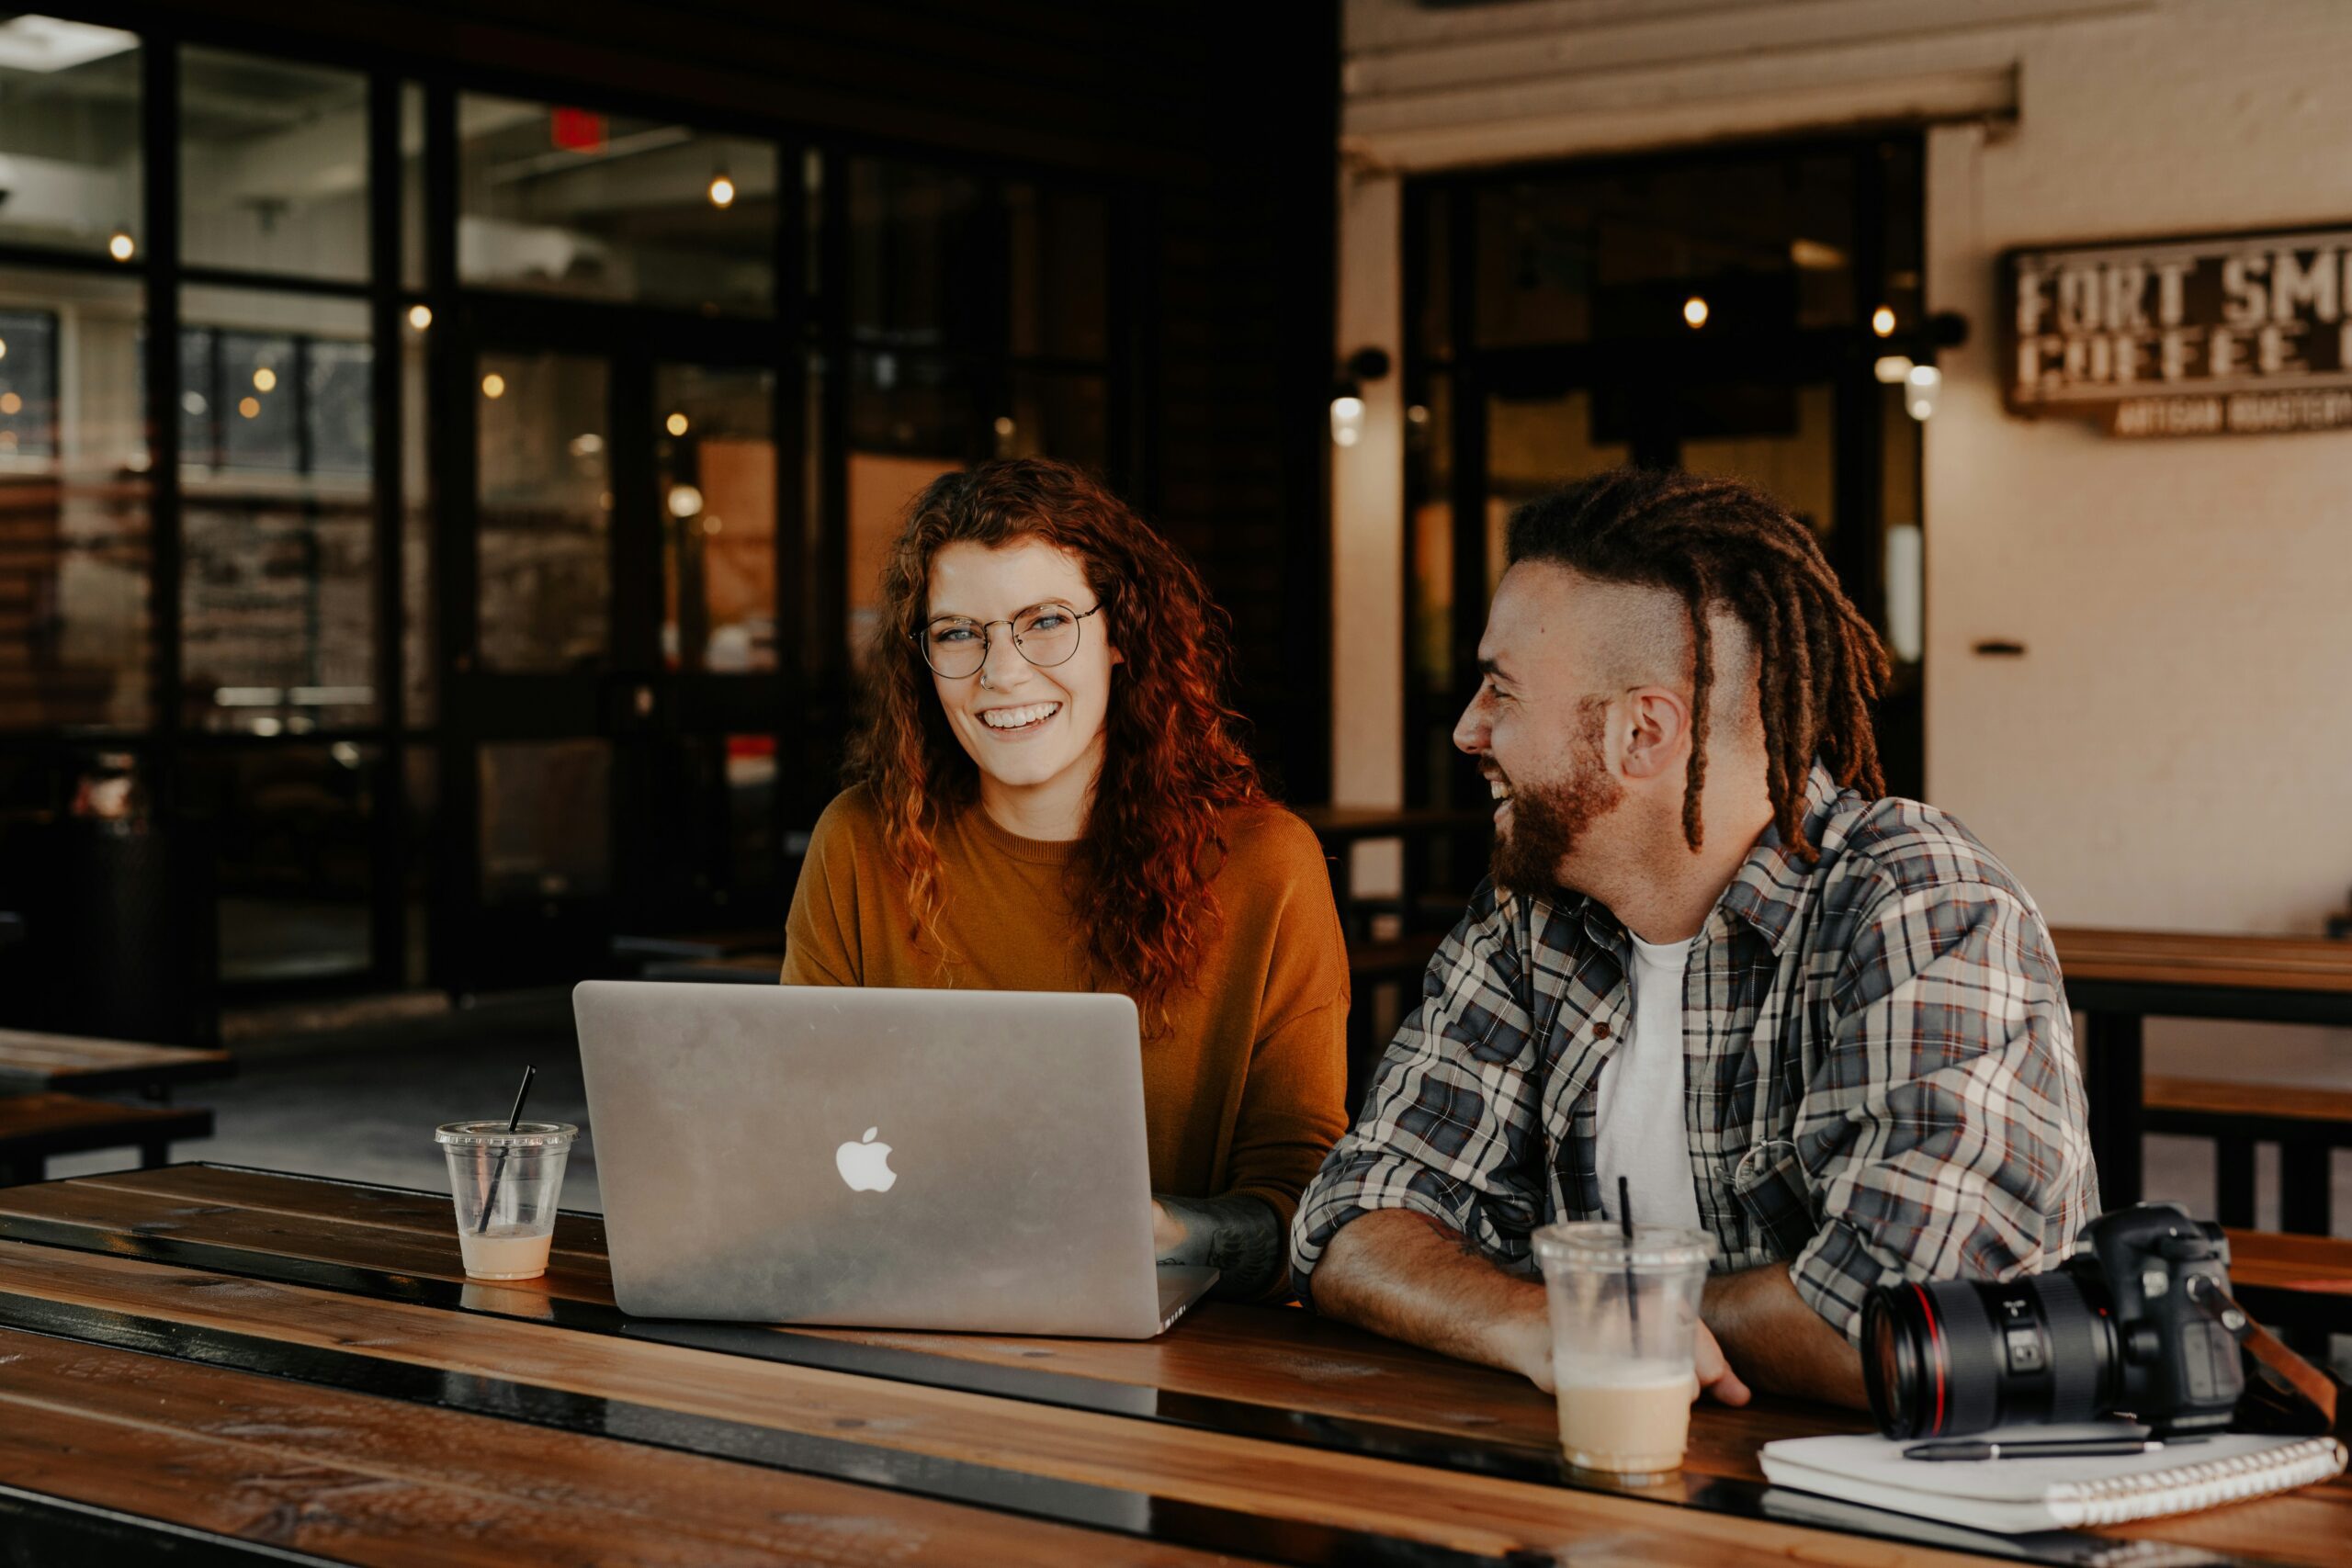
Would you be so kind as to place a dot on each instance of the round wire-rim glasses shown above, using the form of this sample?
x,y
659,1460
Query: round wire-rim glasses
x,y
1043,646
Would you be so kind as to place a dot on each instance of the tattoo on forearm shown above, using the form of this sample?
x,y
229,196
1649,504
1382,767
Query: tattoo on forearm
x,y
1240,1236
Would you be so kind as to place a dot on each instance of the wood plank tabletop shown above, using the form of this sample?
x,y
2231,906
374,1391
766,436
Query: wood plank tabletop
x,y
2314,965
363,1478
30,1062
536,1408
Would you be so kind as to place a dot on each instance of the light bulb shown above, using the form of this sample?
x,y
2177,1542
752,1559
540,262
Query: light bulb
x,y
420,316
264,379
493,385
1694,310
675,425
722,190
1882,320
119,245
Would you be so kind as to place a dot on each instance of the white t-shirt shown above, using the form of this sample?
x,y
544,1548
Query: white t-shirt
x,y
1642,1131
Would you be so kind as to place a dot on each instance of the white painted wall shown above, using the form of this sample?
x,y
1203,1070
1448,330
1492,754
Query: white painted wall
x,y
2175,749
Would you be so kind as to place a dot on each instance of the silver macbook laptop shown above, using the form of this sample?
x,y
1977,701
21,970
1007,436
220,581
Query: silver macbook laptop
x,y
969,1160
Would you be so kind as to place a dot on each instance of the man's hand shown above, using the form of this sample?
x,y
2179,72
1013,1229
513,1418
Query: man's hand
x,y
1167,1232
1781,1345
1715,1376
1399,1274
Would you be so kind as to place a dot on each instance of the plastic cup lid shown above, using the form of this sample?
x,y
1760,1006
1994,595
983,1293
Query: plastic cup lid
x,y
1600,1244
493,1135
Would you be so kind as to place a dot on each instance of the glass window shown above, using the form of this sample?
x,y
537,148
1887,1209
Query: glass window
x,y
547,821
1780,438
568,201
1766,243
1060,273
716,463
420,843
910,420
1904,203
926,263
1429,477
419,650
276,591
273,165
1057,415
74,492
1428,302
70,136
412,240
546,512
295,835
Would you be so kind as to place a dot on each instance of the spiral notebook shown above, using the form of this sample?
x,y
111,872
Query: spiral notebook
x,y
2013,1496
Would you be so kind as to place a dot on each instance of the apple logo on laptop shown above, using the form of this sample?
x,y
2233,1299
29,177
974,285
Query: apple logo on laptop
x,y
866,1165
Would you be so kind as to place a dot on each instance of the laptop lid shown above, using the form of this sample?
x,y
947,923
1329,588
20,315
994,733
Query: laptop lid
x,y
969,1160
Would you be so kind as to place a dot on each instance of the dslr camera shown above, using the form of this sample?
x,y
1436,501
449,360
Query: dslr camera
x,y
2121,1326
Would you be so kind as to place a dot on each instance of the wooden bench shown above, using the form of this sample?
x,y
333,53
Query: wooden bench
x,y
31,1062
35,1126
2306,1123
2300,1285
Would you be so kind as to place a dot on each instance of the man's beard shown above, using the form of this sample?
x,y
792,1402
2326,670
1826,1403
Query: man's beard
x,y
1548,819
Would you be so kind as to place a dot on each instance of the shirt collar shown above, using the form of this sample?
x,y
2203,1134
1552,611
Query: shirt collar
x,y
1770,889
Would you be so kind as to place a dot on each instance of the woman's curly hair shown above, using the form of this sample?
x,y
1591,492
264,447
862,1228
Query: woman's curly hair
x,y
1172,763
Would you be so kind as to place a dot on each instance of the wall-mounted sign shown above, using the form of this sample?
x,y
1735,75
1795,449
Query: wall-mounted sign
x,y
2204,335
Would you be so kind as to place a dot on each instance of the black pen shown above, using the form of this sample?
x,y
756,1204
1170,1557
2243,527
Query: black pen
x,y
2058,1448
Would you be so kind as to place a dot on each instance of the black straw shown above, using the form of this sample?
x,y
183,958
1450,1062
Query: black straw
x,y
514,1119
1633,1291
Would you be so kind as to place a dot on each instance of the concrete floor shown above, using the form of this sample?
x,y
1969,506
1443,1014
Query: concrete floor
x,y
362,1103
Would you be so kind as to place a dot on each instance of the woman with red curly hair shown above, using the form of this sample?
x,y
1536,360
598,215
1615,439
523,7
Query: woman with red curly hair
x,y
1048,794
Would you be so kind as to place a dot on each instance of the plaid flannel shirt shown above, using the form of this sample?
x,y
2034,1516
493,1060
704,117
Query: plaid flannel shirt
x,y
1879,1072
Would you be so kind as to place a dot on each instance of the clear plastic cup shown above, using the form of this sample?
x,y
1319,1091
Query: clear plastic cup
x,y
505,1186
1624,1316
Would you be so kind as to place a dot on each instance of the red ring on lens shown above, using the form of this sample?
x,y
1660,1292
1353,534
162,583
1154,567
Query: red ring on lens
x,y
1936,1342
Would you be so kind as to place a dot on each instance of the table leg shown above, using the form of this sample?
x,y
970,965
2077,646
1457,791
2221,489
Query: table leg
x,y
2305,1174
2233,1181
2111,1080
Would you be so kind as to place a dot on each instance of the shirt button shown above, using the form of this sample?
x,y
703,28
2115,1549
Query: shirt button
x,y
1600,1032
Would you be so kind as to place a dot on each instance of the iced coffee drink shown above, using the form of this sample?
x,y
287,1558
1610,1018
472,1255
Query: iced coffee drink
x,y
1624,1314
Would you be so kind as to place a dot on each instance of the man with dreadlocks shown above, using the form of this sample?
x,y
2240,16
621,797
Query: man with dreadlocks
x,y
1824,1025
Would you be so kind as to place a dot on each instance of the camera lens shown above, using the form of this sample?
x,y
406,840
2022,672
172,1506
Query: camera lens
x,y
1964,1356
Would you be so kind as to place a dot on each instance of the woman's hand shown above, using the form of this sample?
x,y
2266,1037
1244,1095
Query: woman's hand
x,y
1240,1236
1167,1232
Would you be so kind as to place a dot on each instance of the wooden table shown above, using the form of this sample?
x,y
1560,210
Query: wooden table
x,y
251,1359
2117,978
74,1063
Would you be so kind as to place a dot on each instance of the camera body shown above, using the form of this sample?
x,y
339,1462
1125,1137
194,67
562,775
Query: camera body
x,y
2114,1329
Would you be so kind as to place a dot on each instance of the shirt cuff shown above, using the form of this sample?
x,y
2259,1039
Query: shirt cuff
x,y
1833,1273
1367,1186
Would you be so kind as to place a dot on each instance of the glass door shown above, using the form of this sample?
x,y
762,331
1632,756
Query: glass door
x,y
611,730
1733,312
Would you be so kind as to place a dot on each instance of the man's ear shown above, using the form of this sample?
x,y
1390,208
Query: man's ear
x,y
1657,732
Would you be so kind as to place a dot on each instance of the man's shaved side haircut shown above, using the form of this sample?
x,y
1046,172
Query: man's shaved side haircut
x,y
1720,544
